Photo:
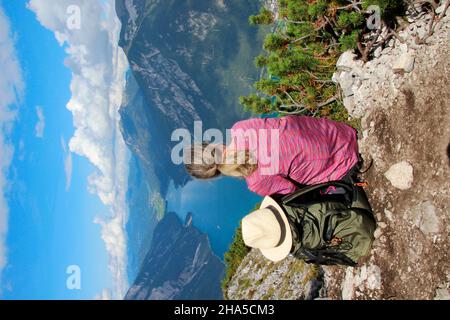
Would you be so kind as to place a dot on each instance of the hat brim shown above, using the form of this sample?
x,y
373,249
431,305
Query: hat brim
x,y
282,251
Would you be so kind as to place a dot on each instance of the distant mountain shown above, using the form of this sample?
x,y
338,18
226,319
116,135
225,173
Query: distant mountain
x,y
189,60
179,265
143,218
149,139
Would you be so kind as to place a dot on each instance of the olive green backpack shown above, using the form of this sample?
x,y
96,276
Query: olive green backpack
x,y
330,228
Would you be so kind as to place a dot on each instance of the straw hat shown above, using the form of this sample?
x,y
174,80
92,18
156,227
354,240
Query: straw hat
x,y
268,230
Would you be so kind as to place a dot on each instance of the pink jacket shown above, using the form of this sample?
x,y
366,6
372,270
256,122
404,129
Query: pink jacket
x,y
308,150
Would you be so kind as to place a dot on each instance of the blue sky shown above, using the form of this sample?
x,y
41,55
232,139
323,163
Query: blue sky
x,y
50,211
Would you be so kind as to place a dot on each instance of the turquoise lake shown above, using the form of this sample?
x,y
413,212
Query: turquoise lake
x,y
217,206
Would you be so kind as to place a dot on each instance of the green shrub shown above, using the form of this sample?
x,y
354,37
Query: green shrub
x,y
260,61
274,42
265,16
349,41
301,54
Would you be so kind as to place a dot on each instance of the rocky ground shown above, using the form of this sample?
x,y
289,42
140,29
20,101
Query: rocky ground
x,y
403,99
290,279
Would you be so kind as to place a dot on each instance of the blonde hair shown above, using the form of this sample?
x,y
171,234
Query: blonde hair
x,y
206,162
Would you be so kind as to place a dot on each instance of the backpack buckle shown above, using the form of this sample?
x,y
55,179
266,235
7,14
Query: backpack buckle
x,y
362,184
336,241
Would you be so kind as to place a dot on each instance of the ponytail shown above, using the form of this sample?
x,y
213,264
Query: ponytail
x,y
206,162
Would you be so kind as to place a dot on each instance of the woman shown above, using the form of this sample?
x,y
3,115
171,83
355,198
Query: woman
x,y
307,151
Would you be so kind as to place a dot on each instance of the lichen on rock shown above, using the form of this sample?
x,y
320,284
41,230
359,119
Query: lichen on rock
x,y
259,279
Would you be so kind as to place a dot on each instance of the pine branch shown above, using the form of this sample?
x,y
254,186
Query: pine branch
x,y
433,21
329,101
295,22
442,15
353,5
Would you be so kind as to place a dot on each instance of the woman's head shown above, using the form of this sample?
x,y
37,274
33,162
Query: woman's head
x,y
208,160
203,161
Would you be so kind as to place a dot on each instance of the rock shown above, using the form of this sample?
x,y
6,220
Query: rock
x,y
348,285
422,32
349,73
388,215
364,278
430,221
349,103
382,225
404,48
347,62
257,279
377,233
365,133
442,293
404,63
374,277
425,217
377,52
441,8
400,175
346,80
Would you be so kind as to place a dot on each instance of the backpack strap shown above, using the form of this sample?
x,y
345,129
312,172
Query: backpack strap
x,y
288,198
295,183
324,257
352,174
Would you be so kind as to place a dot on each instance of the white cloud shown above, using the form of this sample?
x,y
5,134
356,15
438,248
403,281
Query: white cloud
x,y
67,163
11,91
68,170
98,68
40,125
104,295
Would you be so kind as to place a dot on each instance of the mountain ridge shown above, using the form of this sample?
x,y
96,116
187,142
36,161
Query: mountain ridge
x,y
179,265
